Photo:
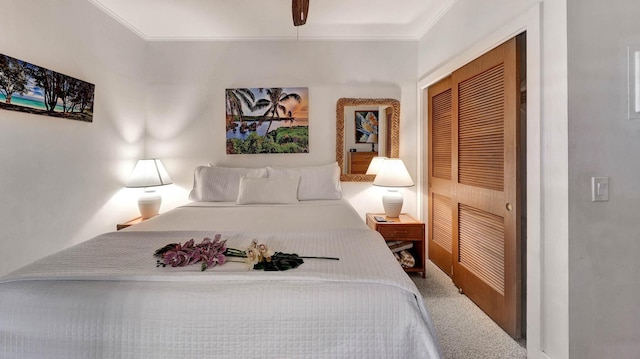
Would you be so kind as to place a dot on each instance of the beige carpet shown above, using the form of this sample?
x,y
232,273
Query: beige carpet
x,y
464,331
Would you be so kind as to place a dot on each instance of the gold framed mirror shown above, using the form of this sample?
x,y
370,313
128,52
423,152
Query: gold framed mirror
x,y
391,133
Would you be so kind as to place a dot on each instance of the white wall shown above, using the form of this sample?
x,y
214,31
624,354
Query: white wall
x,y
471,28
465,24
185,99
604,243
62,180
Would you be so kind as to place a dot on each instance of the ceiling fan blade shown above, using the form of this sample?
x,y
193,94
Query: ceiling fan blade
x,y
299,9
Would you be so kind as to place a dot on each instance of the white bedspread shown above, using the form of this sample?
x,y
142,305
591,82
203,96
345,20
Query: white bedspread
x,y
105,298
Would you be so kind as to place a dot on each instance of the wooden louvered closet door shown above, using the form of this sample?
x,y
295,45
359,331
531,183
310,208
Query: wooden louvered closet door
x,y
440,227
474,203
486,216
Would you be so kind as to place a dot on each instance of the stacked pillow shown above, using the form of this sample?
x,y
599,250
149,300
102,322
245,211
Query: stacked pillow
x,y
318,182
268,190
220,184
270,185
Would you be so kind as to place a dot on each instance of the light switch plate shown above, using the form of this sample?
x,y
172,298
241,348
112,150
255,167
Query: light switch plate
x,y
599,189
633,71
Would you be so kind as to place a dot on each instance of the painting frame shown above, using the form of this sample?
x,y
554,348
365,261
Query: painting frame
x,y
267,120
366,126
25,87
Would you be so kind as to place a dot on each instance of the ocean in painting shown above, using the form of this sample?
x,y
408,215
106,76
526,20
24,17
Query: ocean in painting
x,y
28,102
261,130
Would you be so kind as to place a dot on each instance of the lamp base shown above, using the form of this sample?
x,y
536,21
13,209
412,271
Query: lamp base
x,y
392,202
149,203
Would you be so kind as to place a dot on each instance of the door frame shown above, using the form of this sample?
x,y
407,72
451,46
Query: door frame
x,y
530,21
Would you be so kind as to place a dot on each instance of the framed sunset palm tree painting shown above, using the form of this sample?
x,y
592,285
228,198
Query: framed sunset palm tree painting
x,y
267,120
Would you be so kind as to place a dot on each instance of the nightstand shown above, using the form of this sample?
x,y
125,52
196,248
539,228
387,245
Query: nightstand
x,y
359,161
120,226
403,228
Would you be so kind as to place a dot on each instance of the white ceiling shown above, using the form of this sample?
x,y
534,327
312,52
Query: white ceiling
x,y
271,19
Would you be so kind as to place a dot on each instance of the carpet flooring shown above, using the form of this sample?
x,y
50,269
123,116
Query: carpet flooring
x,y
463,329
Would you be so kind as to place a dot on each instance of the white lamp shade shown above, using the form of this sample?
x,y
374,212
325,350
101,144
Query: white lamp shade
x,y
393,173
149,173
374,166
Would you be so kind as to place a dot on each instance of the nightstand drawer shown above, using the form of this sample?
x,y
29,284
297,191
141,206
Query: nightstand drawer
x,y
402,232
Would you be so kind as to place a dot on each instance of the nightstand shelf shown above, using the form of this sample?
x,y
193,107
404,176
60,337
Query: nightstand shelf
x,y
120,226
403,228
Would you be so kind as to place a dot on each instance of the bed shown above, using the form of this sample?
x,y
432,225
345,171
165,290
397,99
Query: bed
x,y
108,298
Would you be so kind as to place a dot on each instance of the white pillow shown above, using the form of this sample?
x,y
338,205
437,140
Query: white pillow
x,y
220,184
282,190
318,182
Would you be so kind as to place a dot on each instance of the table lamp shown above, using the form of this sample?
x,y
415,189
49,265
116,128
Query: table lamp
x,y
149,173
392,173
374,165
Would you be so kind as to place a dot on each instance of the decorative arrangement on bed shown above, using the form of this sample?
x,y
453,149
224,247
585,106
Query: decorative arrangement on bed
x,y
213,252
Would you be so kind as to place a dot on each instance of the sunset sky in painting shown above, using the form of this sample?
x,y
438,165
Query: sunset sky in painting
x,y
298,110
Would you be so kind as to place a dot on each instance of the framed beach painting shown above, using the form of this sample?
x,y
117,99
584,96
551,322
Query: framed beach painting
x,y
267,120
30,88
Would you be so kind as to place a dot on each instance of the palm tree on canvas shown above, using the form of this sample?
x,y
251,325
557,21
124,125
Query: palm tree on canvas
x,y
277,97
235,98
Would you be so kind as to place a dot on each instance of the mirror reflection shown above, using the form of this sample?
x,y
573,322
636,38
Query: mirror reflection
x,y
365,128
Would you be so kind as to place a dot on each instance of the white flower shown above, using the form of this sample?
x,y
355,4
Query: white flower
x,y
257,253
265,252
